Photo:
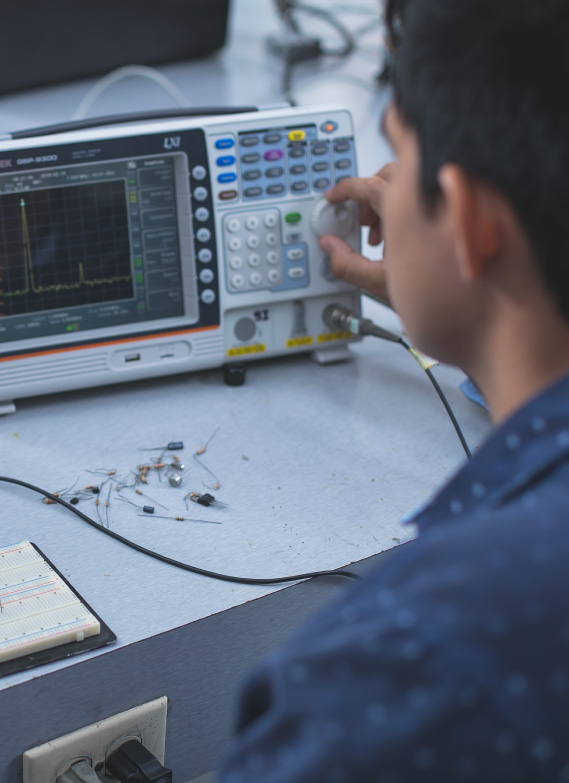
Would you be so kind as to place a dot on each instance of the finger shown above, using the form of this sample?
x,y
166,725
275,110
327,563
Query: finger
x,y
354,268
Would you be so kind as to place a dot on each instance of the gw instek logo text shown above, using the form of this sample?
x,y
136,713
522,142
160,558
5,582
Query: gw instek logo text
x,y
6,164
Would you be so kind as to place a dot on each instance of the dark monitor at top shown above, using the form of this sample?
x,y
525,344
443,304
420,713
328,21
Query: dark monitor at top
x,y
63,40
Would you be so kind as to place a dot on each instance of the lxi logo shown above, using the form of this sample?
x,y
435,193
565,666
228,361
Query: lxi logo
x,y
6,164
172,142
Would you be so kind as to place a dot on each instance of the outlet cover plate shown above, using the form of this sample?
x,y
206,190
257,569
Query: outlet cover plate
x,y
146,723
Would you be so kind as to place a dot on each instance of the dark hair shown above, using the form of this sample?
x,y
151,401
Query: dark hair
x,y
485,85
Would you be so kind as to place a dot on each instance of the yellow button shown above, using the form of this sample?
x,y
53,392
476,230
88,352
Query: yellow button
x,y
297,135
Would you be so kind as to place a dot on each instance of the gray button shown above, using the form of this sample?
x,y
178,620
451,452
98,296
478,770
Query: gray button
x,y
250,157
202,214
255,278
205,255
323,182
320,148
208,296
341,146
199,173
200,194
251,175
252,192
206,276
273,276
322,165
295,254
273,190
297,151
237,280
298,187
272,138
296,272
299,168
236,262
249,141
203,234
274,171
244,329
344,163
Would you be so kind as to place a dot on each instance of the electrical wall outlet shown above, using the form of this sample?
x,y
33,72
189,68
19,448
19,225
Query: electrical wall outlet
x,y
94,743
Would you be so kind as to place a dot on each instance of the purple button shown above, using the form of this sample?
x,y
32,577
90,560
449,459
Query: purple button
x,y
273,155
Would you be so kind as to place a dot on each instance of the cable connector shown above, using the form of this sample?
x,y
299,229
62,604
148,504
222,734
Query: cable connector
x,y
133,763
294,48
82,772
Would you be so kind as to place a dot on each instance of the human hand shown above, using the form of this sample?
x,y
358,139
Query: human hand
x,y
345,263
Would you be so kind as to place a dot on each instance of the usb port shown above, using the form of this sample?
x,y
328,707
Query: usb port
x,y
132,357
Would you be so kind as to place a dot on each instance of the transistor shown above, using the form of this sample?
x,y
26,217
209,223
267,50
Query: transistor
x,y
206,500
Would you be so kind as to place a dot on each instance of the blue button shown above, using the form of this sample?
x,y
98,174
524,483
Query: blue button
x,y
224,144
225,160
229,177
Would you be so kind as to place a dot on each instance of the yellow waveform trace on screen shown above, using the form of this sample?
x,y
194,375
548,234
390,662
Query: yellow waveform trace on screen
x,y
29,282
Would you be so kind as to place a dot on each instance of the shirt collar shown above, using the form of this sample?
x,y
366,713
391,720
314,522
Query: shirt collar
x,y
526,446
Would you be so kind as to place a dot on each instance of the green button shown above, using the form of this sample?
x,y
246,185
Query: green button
x,y
293,217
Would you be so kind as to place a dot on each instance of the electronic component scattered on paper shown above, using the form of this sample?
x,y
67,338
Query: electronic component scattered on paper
x,y
39,610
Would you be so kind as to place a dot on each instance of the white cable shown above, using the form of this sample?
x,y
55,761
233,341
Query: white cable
x,y
126,72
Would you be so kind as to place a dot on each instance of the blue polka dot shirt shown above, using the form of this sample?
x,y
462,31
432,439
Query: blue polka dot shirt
x,y
451,661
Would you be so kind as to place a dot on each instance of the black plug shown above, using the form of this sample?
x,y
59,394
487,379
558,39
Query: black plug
x,y
294,48
132,763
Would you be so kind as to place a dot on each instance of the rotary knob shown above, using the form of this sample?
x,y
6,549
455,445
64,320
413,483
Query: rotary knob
x,y
336,219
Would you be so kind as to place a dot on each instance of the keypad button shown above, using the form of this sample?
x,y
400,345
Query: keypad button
x,y
322,165
271,155
233,224
206,276
274,171
270,220
341,145
297,151
322,183
344,163
224,144
202,214
295,254
251,222
274,190
255,278
272,257
203,234
199,173
207,296
205,255
273,276
225,160
298,168
237,280
227,177
320,148
249,176
295,272
254,259
236,262
272,138
252,192
200,194
271,239
250,157
253,241
299,187
227,195
234,243
249,141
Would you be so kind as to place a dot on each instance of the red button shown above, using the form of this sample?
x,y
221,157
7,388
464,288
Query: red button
x,y
227,195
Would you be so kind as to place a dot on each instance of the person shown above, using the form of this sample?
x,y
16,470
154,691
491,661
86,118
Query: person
x,y
451,661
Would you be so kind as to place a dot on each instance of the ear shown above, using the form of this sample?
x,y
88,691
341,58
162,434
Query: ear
x,y
474,216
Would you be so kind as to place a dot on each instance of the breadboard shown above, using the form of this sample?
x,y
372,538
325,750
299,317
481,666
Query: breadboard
x,y
38,609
